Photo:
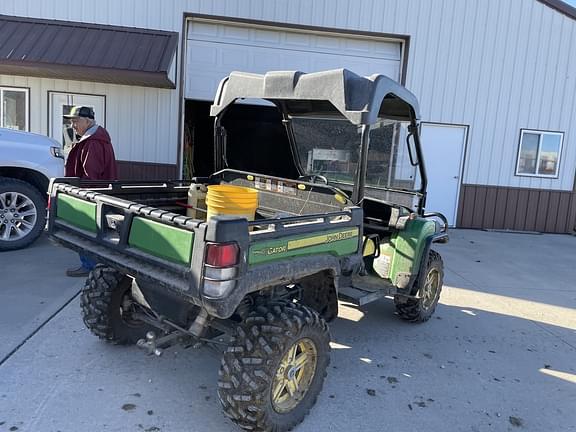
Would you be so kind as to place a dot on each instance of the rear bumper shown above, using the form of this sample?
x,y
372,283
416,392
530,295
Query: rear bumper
x,y
163,276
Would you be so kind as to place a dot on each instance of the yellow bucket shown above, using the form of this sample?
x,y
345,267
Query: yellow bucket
x,y
232,201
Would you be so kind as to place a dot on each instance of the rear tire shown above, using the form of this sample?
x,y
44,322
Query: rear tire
x,y
104,297
274,368
429,286
22,214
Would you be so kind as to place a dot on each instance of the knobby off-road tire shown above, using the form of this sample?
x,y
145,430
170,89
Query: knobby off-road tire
x,y
22,214
429,285
103,312
272,342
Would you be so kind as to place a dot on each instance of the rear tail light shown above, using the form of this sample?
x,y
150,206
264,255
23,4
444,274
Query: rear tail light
x,y
222,254
220,269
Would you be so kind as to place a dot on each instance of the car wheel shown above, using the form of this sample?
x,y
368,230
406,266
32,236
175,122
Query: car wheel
x,y
22,214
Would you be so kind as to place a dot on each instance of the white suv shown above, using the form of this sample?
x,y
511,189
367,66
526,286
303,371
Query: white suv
x,y
27,162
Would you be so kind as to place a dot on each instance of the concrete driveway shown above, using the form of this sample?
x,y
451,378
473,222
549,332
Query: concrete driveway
x,y
499,355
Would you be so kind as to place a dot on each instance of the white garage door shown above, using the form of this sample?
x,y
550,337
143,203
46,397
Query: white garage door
x,y
216,49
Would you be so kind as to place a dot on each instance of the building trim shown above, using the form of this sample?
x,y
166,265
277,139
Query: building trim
x,y
560,6
132,170
517,209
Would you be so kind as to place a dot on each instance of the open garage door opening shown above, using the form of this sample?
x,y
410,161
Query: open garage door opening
x,y
262,136
215,47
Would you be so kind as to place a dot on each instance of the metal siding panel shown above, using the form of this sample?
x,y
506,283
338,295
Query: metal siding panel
x,y
489,210
437,58
493,109
542,211
29,39
553,212
129,170
572,215
460,211
509,125
500,208
469,202
479,203
7,36
484,93
521,209
465,94
511,209
117,45
563,212
553,100
532,210
516,209
451,62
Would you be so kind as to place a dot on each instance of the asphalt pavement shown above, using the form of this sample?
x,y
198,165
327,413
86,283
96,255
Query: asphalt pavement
x,y
498,355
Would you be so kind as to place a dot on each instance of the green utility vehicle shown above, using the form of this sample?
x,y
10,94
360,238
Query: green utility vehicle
x,y
352,227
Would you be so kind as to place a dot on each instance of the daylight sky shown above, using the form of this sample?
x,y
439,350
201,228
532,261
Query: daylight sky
x,y
571,2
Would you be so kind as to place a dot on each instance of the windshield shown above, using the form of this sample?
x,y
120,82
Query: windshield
x,y
330,147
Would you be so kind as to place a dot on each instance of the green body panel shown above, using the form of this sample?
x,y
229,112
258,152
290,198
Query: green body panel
x,y
77,212
163,241
408,246
337,242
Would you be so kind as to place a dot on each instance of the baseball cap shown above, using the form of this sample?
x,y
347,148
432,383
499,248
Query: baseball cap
x,y
80,111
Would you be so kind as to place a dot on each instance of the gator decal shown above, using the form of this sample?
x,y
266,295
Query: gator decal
x,y
77,212
342,242
163,241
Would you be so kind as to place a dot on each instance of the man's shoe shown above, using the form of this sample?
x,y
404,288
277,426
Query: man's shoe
x,y
77,272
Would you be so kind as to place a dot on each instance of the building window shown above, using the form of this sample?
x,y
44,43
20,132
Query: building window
x,y
14,108
539,154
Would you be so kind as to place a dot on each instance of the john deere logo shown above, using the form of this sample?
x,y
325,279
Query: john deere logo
x,y
341,236
306,242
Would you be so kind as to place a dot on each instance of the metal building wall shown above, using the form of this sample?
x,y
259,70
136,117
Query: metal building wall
x,y
137,118
496,65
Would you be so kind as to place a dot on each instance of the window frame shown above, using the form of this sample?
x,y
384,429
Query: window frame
x,y
26,91
541,133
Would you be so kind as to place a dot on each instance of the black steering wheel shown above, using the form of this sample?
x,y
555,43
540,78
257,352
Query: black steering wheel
x,y
313,177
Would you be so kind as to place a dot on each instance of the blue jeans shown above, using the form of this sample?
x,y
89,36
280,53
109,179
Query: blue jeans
x,y
87,263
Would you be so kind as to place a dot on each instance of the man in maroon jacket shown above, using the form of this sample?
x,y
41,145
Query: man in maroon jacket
x,y
92,157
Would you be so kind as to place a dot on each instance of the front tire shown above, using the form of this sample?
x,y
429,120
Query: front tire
x,y
22,214
106,311
429,286
274,369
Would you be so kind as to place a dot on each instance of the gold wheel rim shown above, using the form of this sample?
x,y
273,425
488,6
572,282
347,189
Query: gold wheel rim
x,y
294,375
431,286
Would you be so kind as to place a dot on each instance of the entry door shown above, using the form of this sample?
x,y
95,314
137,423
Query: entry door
x,y
61,104
443,147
